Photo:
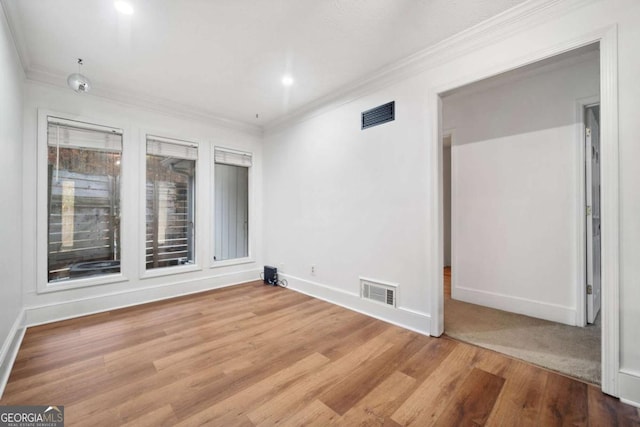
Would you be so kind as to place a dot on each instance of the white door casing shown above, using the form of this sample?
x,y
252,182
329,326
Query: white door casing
x,y
607,38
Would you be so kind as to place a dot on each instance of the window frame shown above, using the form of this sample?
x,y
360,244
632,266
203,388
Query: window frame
x,y
250,258
142,220
42,214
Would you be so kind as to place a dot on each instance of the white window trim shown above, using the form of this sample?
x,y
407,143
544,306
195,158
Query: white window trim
x,y
198,214
168,271
235,261
252,219
42,214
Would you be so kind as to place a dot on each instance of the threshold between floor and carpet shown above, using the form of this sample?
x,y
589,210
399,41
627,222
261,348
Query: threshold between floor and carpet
x,y
570,350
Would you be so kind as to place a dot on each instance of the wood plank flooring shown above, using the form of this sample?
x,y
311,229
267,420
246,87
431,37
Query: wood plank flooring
x,y
253,355
447,282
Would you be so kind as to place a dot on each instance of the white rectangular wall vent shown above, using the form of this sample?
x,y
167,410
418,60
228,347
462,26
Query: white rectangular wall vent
x,y
383,293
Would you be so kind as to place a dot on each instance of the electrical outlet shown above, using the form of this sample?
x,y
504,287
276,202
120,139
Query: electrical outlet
x,y
313,270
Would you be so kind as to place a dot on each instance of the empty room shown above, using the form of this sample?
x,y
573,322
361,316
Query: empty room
x,y
238,212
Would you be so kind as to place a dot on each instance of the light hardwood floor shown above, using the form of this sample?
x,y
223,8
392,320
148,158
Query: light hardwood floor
x,y
258,355
447,282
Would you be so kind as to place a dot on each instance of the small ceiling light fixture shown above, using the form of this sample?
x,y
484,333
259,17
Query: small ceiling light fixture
x,y
124,7
287,80
77,81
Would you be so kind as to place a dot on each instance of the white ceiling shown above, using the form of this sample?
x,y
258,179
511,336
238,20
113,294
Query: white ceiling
x,y
226,58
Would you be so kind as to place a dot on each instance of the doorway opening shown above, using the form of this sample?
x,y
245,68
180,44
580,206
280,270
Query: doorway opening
x,y
592,198
520,275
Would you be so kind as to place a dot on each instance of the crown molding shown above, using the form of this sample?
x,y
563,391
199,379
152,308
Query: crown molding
x,y
147,102
523,16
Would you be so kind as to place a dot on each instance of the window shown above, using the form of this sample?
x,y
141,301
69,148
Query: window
x,y
170,202
83,203
231,225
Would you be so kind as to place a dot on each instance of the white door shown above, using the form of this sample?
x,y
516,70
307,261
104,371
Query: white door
x,y
593,212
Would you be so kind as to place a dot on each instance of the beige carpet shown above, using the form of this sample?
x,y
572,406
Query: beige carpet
x,y
570,350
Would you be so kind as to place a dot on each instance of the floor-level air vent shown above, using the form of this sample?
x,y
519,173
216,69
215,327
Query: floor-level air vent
x,y
383,293
379,115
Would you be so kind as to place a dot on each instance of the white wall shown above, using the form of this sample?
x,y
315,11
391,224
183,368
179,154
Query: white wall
x,y
628,16
350,202
136,122
11,80
363,203
516,174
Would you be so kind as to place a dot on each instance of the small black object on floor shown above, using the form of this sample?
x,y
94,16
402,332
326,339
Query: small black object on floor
x,y
270,275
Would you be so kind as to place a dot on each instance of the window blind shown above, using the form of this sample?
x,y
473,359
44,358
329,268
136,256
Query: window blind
x,y
70,134
165,147
232,157
83,206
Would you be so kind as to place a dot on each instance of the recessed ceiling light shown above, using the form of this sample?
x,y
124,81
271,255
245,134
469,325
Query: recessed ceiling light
x,y
124,7
287,80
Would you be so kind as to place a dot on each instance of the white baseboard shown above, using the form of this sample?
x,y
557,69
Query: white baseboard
x,y
39,315
528,307
629,387
399,316
10,349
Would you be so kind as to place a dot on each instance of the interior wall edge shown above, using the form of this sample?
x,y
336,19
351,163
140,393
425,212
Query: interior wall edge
x,y
55,312
10,348
11,246
18,43
406,318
